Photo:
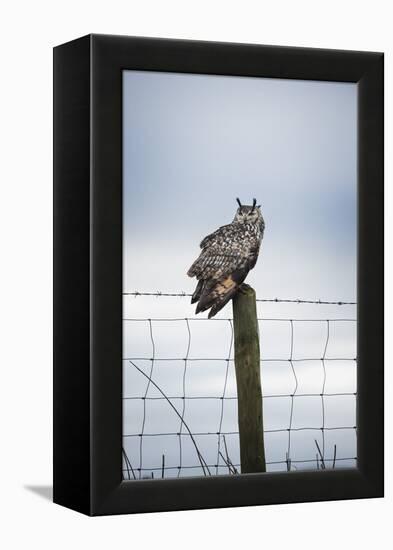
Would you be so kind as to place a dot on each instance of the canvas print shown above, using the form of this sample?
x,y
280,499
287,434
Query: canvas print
x,y
239,275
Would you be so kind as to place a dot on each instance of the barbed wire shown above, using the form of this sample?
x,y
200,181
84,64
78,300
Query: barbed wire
x,y
222,461
159,293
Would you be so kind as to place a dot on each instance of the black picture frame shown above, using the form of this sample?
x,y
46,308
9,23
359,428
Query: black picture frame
x,y
88,274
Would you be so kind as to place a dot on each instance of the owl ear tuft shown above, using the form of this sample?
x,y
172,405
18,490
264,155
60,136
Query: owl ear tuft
x,y
259,206
238,202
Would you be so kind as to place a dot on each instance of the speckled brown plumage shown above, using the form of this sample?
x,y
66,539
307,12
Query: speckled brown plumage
x,y
227,256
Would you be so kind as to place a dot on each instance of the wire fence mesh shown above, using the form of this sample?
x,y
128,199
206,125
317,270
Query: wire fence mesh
x,y
180,409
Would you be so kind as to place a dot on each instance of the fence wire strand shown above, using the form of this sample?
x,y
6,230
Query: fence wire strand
x,y
184,396
323,386
223,396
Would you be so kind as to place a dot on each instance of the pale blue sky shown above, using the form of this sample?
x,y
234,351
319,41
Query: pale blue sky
x,y
193,143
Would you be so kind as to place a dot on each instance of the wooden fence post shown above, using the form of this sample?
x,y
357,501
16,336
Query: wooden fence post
x,y
248,379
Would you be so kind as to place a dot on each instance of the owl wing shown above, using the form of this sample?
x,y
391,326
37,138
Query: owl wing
x,y
226,258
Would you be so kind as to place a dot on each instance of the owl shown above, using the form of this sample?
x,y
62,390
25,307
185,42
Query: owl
x,y
227,256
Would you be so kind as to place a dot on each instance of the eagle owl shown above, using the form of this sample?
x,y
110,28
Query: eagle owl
x,y
227,256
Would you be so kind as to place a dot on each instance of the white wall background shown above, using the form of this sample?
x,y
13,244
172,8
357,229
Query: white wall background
x,y
28,32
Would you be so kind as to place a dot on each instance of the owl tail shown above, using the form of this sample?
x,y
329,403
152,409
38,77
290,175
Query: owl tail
x,y
216,295
219,305
198,291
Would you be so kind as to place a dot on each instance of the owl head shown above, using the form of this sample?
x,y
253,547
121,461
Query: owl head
x,y
248,214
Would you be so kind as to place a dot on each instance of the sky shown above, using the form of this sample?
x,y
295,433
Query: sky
x,y
191,145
